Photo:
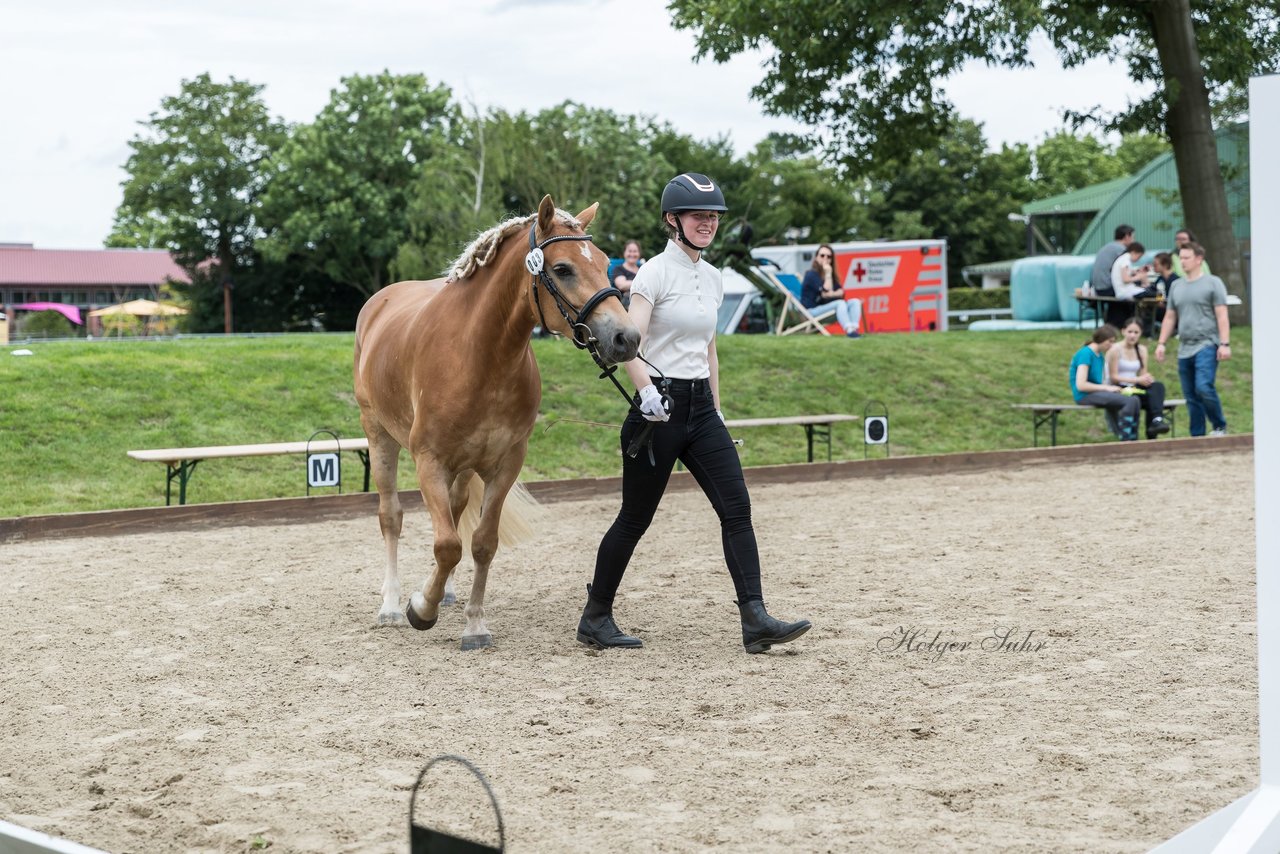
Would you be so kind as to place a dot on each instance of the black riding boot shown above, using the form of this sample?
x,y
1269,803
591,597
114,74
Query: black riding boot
x,y
760,631
597,628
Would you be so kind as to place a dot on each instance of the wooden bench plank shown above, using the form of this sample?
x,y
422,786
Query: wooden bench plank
x,y
783,420
174,455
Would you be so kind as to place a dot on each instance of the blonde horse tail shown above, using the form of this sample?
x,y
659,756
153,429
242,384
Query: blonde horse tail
x,y
519,513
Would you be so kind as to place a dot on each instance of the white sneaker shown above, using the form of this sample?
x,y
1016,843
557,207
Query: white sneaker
x,y
1222,431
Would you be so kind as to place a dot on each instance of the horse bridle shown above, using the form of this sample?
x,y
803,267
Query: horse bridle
x,y
535,263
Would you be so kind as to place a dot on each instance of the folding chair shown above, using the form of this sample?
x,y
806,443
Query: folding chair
x,y
787,287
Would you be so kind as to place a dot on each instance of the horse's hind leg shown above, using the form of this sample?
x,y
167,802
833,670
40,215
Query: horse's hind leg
x,y
459,492
424,606
484,545
384,458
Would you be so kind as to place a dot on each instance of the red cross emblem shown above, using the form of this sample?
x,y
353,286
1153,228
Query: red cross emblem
x,y
859,271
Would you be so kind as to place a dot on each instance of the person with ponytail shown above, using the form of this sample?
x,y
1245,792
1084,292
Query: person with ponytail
x,y
1128,367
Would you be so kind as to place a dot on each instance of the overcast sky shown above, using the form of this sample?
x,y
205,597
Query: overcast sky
x,y
79,74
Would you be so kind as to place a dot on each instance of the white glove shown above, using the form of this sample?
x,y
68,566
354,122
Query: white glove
x,y
718,412
651,404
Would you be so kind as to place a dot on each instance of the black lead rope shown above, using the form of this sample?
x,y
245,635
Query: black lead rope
x,y
582,336
645,437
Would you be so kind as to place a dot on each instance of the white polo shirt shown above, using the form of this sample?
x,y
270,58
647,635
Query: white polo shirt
x,y
686,298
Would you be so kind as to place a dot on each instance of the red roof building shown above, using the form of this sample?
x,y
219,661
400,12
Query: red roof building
x,y
87,278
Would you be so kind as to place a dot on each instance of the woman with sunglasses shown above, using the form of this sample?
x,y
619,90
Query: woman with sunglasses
x,y
820,290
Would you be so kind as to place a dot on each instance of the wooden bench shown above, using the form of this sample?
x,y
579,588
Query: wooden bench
x,y
181,462
818,426
1047,413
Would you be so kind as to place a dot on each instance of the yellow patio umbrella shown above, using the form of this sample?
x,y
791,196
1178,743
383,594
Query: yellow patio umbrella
x,y
140,308
144,308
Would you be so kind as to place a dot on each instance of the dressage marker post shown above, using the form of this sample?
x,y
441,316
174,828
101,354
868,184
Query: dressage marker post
x,y
427,840
1251,825
875,428
323,469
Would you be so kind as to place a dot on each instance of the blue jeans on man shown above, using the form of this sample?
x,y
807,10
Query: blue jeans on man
x,y
1198,373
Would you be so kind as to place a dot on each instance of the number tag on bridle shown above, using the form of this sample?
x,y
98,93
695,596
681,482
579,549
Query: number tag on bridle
x,y
533,261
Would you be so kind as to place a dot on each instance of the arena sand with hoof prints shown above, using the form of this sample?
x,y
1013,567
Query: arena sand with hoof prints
x,y
1045,657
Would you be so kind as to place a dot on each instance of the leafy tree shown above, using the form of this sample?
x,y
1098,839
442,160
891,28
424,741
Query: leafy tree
x,y
454,196
47,324
583,155
870,70
1138,149
195,180
338,194
505,163
958,190
787,186
1065,162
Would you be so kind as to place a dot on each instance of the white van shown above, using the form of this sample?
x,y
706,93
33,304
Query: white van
x,y
743,309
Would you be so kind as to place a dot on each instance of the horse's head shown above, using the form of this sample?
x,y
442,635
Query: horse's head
x,y
573,293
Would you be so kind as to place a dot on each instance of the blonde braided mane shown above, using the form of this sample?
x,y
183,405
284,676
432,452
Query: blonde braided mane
x,y
481,251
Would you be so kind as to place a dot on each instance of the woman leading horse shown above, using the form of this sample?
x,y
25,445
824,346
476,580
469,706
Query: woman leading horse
x,y
445,370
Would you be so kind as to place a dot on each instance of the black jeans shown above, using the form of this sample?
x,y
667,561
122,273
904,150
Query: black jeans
x,y
1153,403
695,436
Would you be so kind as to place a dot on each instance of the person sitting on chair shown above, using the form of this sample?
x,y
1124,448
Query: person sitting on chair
x,y
1127,367
1087,378
820,288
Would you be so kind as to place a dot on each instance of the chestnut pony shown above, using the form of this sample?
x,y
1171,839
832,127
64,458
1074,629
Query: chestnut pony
x,y
445,370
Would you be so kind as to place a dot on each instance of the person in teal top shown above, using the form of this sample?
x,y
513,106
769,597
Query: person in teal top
x,y
1087,378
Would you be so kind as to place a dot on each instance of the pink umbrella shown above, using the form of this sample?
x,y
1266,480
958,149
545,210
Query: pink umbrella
x,y
69,311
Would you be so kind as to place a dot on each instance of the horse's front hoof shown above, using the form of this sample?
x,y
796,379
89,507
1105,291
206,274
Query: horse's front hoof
x,y
414,620
390,619
449,598
470,642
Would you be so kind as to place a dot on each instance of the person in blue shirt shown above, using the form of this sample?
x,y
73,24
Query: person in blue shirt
x,y
1089,387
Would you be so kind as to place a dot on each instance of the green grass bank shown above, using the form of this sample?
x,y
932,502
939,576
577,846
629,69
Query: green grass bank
x,y
70,411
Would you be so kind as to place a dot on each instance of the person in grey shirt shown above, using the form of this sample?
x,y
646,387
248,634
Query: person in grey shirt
x,y
1100,278
1198,311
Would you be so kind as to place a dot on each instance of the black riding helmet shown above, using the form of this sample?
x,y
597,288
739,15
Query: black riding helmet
x,y
691,191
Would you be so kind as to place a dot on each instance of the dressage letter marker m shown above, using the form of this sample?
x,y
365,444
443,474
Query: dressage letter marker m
x,y
323,470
